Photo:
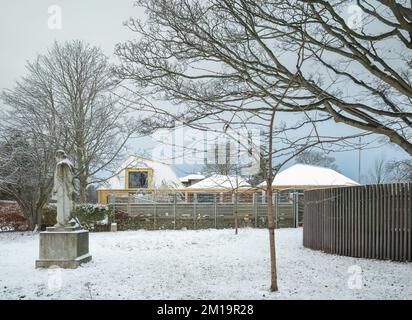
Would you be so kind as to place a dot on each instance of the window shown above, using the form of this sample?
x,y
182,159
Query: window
x,y
138,179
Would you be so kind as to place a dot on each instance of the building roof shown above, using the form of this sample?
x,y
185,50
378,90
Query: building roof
x,y
192,176
223,182
303,175
163,174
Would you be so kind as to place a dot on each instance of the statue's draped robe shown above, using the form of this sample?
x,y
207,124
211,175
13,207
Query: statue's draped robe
x,y
63,191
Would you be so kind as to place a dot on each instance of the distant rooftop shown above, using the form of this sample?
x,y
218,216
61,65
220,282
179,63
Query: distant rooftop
x,y
192,176
309,175
218,181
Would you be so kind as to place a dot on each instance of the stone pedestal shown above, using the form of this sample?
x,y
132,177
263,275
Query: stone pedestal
x,y
63,247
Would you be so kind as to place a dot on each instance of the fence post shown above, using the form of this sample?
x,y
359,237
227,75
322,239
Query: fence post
x,y
174,210
275,201
254,205
295,208
129,200
215,205
154,214
194,214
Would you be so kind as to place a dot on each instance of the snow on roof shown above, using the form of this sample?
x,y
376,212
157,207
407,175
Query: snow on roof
x,y
218,181
163,174
192,177
308,175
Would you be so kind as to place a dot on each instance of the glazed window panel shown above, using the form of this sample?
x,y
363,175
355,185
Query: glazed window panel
x,y
138,179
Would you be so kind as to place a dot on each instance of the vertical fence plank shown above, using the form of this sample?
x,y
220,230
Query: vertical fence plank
x,y
367,221
409,224
255,209
154,215
215,209
352,222
174,210
345,217
392,223
364,215
380,207
374,216
334,212
340,222
194,214
386,222
401,222
367,191
356,204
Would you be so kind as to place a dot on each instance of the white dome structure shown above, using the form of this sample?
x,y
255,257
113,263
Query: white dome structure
x,y
220,182
303,176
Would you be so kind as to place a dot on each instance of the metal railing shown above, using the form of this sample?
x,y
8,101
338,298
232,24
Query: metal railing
x,y
171,210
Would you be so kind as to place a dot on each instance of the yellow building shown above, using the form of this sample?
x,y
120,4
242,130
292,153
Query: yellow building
x,y
139,174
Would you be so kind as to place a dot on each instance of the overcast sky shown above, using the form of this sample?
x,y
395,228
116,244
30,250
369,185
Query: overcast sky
x,y
24,32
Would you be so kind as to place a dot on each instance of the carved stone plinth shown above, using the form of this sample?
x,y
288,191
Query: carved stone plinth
x,y
63,247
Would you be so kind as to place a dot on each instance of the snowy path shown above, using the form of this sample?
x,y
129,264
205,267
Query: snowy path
x,y
207,264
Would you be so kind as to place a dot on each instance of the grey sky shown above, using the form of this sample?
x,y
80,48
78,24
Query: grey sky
x,y
24,32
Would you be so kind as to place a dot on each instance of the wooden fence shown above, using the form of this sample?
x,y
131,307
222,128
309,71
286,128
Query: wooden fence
x,y
371,221
214,214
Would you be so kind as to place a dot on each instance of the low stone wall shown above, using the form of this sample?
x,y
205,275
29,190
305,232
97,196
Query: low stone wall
x,y
11,217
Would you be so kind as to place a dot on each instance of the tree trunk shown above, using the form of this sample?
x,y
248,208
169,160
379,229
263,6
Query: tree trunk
x,y
236,213
30,221
82,188
271,226
272,243
29,214
39,219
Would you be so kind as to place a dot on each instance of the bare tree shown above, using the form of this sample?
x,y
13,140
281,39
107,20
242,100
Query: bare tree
x,y
211,60
379,172
316,158
67,100
26,173
232,50
356,61
399,170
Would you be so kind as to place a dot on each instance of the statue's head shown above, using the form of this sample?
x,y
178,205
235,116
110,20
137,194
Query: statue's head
x,y
60,155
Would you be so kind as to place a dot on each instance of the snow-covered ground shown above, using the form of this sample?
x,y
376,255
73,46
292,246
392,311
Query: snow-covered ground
x,y
204,264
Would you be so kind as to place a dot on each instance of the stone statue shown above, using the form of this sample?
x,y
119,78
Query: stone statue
x,y
63,189
66,245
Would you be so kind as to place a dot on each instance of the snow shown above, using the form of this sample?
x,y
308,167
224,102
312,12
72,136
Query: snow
x,y
192,176
163,174
223,182
308,175
196,264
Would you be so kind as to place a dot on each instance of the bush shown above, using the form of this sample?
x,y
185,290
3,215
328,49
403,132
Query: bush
x,y
12,221
11,217
91,216
48,216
